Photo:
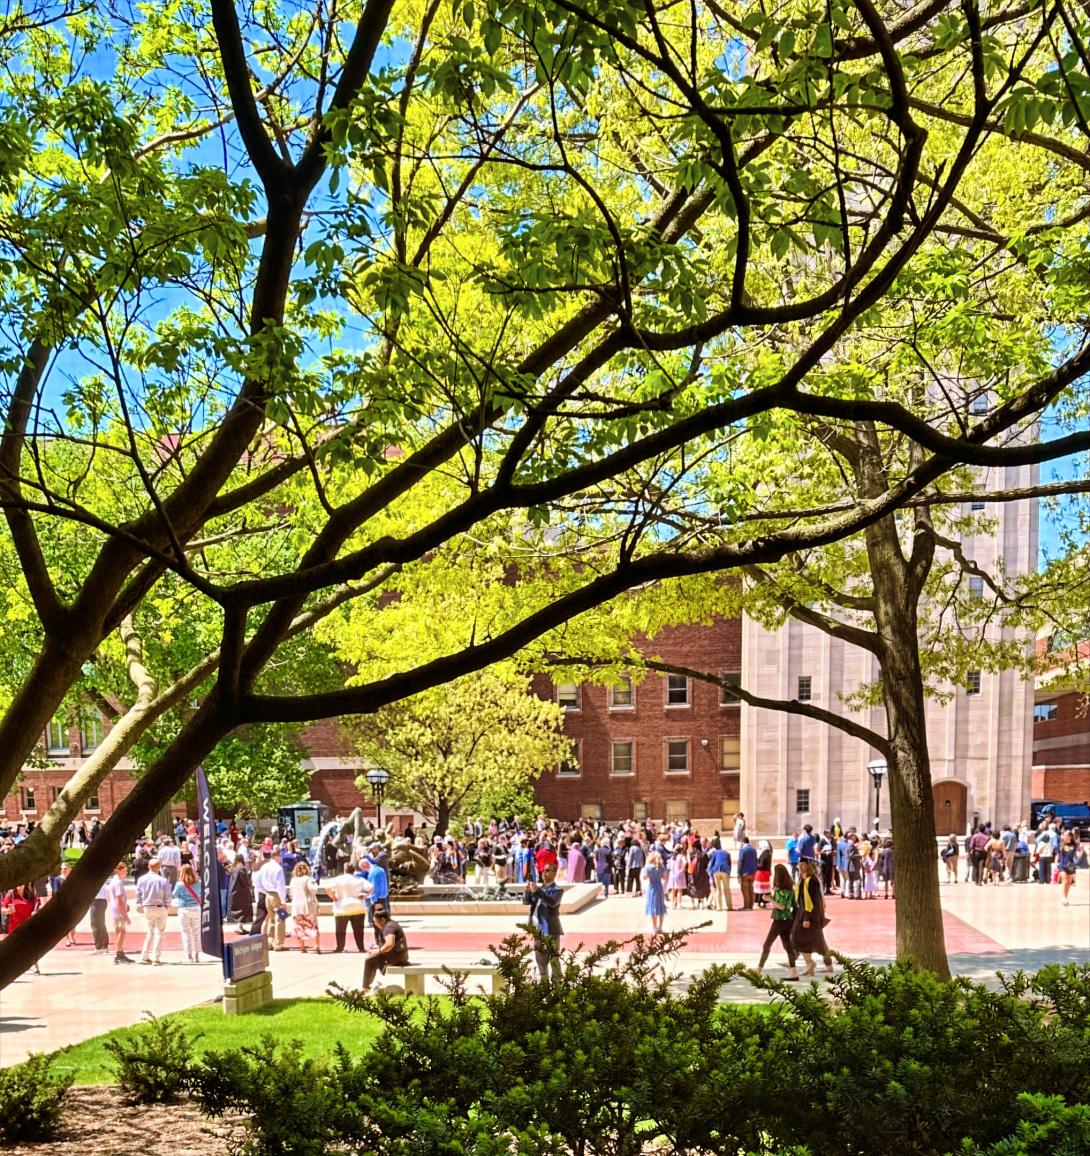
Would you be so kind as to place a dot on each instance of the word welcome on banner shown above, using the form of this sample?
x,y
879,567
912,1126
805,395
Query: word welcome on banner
x,y
211,913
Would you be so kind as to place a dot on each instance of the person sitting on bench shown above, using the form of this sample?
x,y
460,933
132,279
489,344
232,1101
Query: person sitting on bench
x,y
391,947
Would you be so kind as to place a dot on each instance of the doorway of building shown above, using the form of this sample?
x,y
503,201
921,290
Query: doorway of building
x,y
950,799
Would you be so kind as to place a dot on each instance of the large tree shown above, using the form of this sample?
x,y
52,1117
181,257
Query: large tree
x,y
416,276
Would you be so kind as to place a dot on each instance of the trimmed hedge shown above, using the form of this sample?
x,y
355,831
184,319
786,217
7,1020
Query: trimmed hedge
x,y
884,1060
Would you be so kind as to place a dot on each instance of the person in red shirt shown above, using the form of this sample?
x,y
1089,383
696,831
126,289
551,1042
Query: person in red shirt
x,y
543,856
19,905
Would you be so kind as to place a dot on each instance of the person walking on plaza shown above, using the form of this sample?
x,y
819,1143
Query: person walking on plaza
x,y
655,906
739,830
153,896
949,856
635,861
747,869
1067,862
719,873
240,894
391,947
603,864
762,878
117,903
18,905
271,892
677,879
187,895
304,907
1043,856
544,900
99,934
807,931
170,860
783,915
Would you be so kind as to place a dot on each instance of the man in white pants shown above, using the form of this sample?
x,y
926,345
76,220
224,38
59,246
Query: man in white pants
x,y
153,896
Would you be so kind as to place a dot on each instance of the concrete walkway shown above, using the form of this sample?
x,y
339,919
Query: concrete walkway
x,y
988,929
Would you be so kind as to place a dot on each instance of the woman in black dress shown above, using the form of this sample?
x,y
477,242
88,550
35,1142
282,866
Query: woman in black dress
x,y
240,894
807,934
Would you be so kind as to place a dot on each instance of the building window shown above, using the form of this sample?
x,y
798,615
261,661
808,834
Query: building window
x,y
620,697
620,755
1045,711
641,809
90,731
677,690
802,800
92,803
730,806
677,756
972,682
572,765
976,586
804,688
56,736
677,810
28,799
730,753
981,403
55,793
567,695
590,810
729,678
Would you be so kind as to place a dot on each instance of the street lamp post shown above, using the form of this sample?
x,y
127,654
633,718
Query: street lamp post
x,y
877,768
378,777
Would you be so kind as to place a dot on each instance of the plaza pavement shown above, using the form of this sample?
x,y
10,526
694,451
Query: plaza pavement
x,y
988,929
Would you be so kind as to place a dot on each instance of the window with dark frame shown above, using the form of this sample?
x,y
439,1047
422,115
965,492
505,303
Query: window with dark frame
x,y
677,690
620,754
802,800
90,731
976,586
571,767
28,799
729,678
1045,711
92,803
972,682
805,688
677,756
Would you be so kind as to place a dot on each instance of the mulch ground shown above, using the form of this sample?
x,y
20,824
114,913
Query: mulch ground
x,y
102,1122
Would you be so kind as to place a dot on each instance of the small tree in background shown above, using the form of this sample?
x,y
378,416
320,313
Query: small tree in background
x,y
477,743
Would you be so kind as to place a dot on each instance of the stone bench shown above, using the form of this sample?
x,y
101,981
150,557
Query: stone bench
x,y
415,973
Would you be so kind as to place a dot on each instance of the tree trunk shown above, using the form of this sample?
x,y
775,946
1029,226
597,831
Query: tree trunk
x,y
920,936
44,929
442,816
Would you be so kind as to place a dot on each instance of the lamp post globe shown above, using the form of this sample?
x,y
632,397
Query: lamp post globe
x,y
378,777
877,769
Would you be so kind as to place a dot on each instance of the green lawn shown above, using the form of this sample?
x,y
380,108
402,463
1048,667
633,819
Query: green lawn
x,y
317,1023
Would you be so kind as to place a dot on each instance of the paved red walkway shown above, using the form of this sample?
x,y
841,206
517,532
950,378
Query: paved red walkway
x,y
859,927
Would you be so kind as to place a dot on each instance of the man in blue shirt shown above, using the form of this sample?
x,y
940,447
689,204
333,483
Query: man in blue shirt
x,y
380,885
807,843
747,868
719,873
792,849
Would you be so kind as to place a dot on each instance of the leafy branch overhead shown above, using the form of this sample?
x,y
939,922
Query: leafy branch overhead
x,y
299,300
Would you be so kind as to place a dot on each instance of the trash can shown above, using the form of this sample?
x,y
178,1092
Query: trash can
x,y
1020,869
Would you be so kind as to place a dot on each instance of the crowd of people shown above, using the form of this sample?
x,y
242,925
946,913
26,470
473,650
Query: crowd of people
x,y
271,883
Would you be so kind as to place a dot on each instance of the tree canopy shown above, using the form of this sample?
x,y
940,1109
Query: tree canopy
x,y
381,287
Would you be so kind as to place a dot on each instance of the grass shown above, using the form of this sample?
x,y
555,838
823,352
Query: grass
x,y
317,1023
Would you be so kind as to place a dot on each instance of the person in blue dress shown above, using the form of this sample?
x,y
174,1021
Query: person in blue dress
x,y
655,906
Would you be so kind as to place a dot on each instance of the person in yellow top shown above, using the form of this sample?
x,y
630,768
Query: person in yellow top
x,y
807,934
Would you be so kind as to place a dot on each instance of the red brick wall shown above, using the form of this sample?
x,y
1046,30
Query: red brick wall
x,y
1062,784
715,648
326,740
1062,741
45,784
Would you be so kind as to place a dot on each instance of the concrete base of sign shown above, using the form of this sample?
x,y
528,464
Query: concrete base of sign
x,y
247,995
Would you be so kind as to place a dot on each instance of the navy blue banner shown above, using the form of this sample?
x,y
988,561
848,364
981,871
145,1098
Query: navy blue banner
x,y
211,915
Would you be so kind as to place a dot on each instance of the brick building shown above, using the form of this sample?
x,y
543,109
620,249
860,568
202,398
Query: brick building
x,y
667,747
1061,728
